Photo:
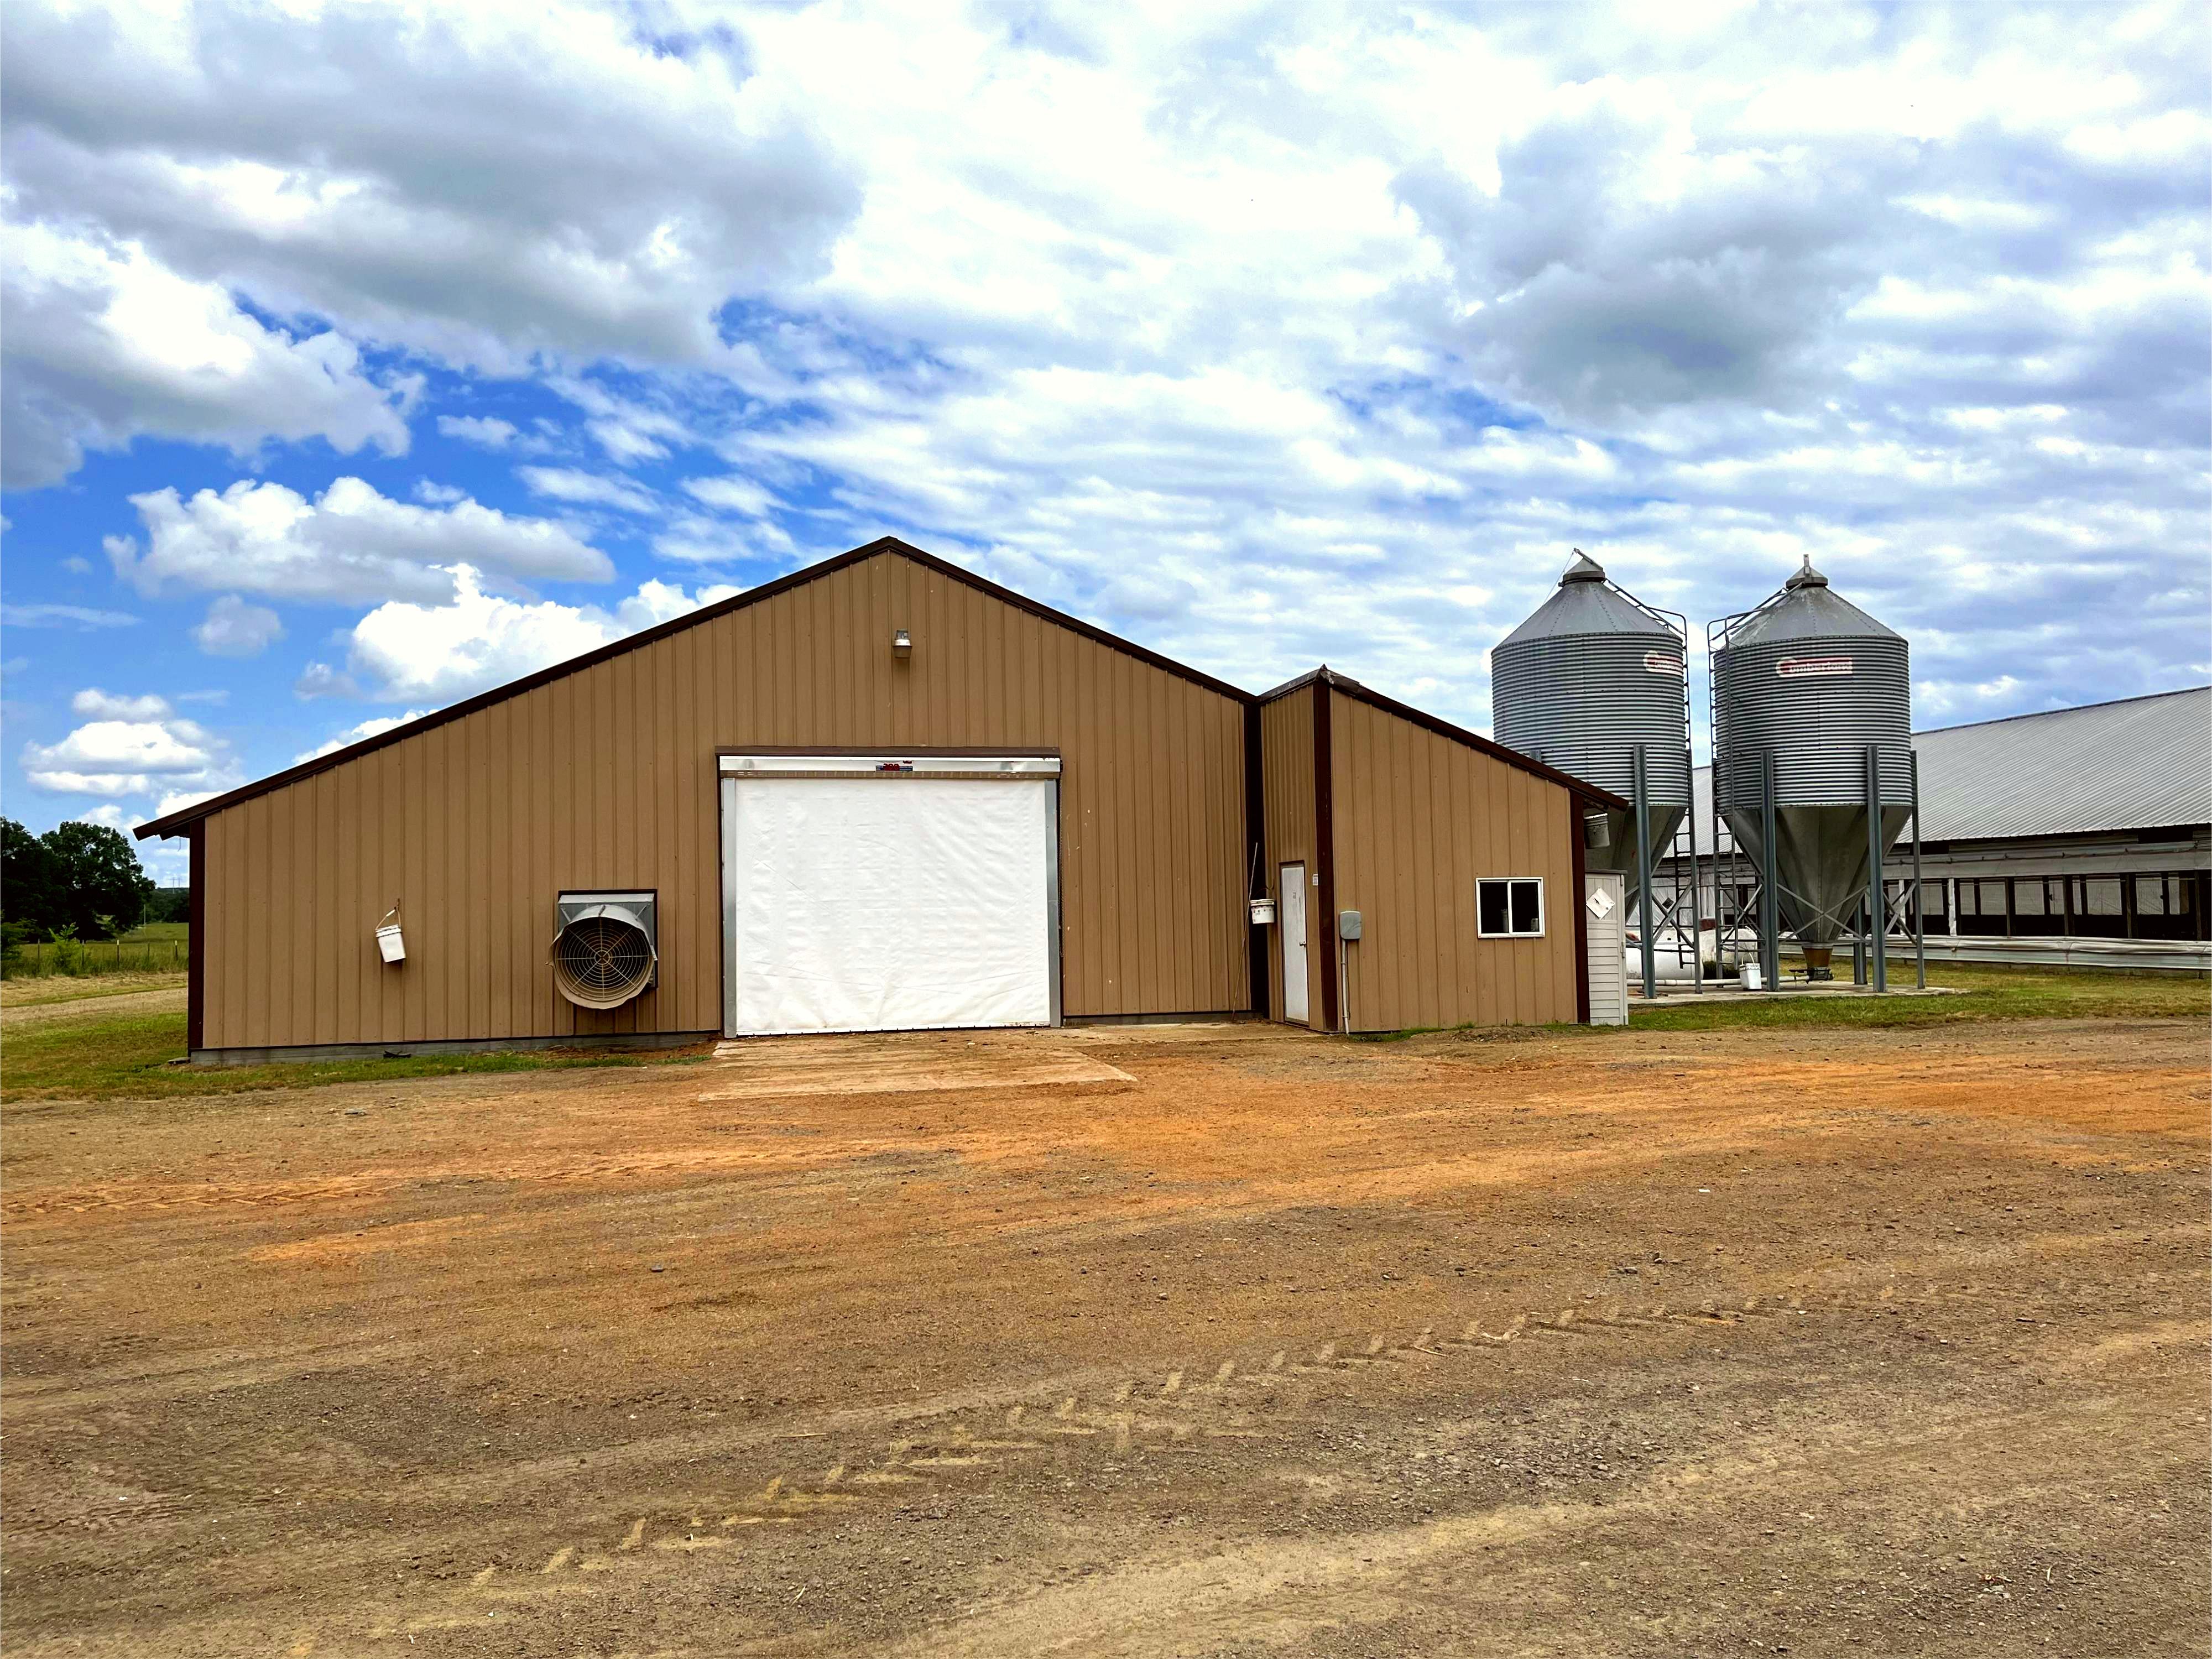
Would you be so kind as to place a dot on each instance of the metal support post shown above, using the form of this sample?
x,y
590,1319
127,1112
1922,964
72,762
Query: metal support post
x,y
1770,896
1713,823
1877,923
1919,894
1697,901
1640,800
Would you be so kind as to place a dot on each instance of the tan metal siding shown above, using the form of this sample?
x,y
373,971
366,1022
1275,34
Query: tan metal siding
x,y
1286,758
1418,819
607,778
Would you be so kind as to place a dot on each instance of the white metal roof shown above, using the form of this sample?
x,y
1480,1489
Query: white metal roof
x,y
2139,763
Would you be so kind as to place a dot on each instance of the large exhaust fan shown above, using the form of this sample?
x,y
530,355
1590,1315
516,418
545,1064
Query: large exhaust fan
x,y
605,947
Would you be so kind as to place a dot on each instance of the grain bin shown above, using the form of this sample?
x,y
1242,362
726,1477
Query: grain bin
x,y
1591,675
1812,725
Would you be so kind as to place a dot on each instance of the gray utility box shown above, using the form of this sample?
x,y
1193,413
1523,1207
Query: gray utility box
x,y
1347,924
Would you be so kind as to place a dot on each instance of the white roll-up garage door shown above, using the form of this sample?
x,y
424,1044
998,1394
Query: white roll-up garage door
x,y
861,898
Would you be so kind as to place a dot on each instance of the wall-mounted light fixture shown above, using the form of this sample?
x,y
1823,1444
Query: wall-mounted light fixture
x,y
902,644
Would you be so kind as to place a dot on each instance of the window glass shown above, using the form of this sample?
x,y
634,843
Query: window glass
x,y
2097,895
1510,907
1528,907
2150,896
1490,906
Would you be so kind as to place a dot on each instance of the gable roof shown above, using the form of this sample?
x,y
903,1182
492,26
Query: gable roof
x,y
1442,728
175,823
2137,763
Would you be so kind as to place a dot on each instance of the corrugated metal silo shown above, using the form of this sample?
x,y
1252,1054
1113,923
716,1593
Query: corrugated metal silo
x,y
1813,682
1589,676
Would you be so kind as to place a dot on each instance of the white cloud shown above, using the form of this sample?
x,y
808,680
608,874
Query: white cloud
x,y
1248,332
732,494
373,727
101,705
629,430
349,544
486,430
104,344
134,747
433,655
108,816
178,800
563,483
484,182
694,538
234,628
62,615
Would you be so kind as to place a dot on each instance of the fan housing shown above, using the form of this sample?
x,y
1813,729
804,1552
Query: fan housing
x,y
605,947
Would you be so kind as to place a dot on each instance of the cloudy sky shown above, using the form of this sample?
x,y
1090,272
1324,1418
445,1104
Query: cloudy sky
x,y
360,357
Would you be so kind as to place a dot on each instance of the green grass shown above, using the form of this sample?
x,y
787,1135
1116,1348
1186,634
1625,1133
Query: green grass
x,y
157,947
1984,992
96,1059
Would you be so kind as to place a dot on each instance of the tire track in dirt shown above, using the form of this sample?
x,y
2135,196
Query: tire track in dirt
x,y
1243,1398
1347,1581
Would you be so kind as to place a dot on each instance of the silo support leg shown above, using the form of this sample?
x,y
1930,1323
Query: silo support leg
x,y
1877,923
1640,791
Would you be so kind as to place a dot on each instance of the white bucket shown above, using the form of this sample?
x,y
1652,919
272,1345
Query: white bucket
x,y
388,944
1263,913
1753,980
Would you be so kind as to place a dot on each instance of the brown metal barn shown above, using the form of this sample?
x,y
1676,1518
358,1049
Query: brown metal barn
x,y
879,793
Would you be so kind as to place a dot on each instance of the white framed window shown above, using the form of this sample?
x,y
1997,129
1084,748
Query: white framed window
x,y
1510,907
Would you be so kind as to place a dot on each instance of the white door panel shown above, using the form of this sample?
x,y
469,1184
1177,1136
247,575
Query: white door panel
x,y
1605,904
873,904
1290,920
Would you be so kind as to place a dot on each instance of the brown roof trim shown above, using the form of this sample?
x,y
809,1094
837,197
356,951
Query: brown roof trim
x,y
176,822
1443,728
1289,686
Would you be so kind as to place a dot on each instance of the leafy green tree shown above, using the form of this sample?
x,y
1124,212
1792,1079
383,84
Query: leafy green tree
x,y
30,880
102,889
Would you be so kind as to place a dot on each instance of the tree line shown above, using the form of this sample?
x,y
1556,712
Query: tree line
x,y
76,881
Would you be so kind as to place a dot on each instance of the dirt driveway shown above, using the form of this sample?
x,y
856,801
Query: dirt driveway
x,y
1166,1341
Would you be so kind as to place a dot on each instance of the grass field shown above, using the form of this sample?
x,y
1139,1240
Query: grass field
x,y
1984,992
89,1056
130,1056
49,988
155,947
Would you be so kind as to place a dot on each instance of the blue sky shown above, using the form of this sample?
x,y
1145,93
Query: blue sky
x,y
361,357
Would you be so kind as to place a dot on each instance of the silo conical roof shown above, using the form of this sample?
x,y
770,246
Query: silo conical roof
x,y
1583,603
1808,608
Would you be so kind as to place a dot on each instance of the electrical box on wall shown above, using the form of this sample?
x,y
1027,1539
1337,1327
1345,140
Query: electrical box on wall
x,y
1348,925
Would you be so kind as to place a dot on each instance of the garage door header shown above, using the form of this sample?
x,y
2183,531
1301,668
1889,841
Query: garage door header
x,y
892,763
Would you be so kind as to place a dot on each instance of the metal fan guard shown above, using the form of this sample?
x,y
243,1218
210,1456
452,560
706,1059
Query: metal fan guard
x,y
600,962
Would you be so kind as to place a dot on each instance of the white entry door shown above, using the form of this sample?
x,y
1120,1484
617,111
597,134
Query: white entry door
x,y
1292,924
889,903
1605,903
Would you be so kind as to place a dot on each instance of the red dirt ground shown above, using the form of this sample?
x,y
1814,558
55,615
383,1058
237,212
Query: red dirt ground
x,y
1871,1342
